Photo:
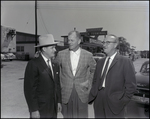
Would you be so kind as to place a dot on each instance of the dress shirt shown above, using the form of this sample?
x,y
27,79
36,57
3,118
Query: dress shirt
x,y
50,63
110,61
74,56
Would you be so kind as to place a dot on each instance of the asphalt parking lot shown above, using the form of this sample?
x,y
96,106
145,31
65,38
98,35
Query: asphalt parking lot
x,y
13,104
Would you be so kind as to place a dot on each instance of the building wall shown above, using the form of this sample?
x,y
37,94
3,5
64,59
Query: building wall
x,y
28,48
25,44
8,39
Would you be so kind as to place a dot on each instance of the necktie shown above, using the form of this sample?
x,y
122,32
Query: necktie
x,y
50,67
104,73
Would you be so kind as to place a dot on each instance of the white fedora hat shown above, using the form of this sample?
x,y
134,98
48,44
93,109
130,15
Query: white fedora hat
x,y
46,40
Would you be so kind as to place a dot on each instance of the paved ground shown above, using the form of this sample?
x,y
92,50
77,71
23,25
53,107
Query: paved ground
x,y
13,104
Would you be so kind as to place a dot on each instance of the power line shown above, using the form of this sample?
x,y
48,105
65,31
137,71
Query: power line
x,y
43,21
40,21
36,27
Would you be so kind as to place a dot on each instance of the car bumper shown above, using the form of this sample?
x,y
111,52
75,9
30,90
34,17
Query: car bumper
x,y
141,100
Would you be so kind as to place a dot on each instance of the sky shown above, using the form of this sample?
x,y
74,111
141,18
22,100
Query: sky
x,y
128,19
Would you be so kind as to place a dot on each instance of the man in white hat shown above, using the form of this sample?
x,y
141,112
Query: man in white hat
x,y
41,82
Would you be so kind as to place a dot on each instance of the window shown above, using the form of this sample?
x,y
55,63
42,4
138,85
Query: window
x,y
145,69
20,48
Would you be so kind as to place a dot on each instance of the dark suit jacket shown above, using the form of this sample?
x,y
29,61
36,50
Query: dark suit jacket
x,y
120,83
40,88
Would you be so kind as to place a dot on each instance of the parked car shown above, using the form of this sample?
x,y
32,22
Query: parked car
x,y
98,56
2,56
142,78
7,56
23,56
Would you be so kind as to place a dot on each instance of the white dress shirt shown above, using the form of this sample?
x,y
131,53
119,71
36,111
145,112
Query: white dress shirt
x,y
74,56
110,61
45,59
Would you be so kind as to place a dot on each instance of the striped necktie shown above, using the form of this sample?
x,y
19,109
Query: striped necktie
x,y
50,68
104,73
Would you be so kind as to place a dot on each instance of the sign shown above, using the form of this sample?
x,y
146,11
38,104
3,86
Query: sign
x,y
83,33
98,33
94,33
94,29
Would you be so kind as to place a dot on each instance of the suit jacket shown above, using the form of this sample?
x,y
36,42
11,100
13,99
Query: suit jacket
x,y
120,83
83,77
40,88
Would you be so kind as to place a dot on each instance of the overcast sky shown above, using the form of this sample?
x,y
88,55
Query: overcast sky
x,y
128,19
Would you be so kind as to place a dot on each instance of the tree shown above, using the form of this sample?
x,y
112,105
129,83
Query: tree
x,y
123,46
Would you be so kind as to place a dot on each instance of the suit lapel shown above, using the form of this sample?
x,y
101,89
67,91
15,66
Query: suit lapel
x,y
101,65
69,60
80,60
43,63
79,63
114,61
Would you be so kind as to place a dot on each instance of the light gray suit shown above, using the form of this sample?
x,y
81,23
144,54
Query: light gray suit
x,y
83,77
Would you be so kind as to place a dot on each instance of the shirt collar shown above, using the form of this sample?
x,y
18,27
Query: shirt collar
x,y
76,52
45,59
112,57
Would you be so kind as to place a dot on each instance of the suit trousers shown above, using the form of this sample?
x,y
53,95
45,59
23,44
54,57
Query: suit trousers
x,y
75,108
47,112
102,109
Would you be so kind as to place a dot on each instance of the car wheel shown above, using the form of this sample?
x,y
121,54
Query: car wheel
x,y
146,108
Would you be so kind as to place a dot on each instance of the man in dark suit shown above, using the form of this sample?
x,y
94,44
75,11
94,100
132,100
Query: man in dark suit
x,y
112,88
41,83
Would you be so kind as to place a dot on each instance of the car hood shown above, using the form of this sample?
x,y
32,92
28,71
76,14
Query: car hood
x,y
142,80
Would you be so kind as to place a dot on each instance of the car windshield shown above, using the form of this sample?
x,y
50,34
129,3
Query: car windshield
x,y
145,69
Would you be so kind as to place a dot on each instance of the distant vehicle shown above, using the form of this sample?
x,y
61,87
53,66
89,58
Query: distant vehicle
x,y
142,78
2,56
98,56
7,56
8,43
145,54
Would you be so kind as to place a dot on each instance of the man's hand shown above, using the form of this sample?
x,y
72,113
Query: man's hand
x,y
35,114
85,86
59,107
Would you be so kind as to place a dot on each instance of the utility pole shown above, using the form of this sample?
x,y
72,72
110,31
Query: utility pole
x,y
36,24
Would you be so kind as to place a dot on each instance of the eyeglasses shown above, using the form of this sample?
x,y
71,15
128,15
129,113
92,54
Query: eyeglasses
x,y
108,42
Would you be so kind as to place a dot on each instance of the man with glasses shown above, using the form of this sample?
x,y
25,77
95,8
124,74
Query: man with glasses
x,y
114,82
